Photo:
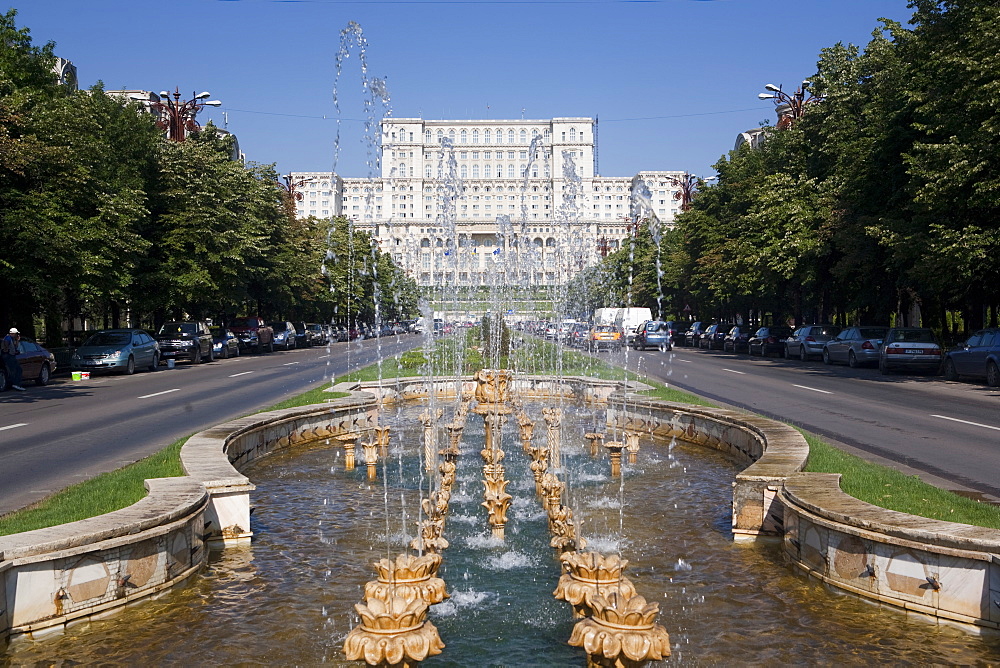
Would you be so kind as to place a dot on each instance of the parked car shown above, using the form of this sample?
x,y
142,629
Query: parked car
x,y
342,333
677,330
737,339
225,344
769,340
578,335
122,350
714,336
855,346
604,337
652,334
186,340
253,333
807,341
320,336
284,334
37,364
977,357
909,348
693,334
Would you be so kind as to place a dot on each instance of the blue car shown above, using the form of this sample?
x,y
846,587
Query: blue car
x,y
652,334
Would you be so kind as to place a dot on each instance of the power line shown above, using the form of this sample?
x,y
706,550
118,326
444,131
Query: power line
x,y
606,120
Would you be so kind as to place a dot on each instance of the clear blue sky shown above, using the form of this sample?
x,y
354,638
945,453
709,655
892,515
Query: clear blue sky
x,y
672,81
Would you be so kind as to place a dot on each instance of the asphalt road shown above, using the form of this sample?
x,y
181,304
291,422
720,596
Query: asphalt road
x,y
948,432
54,436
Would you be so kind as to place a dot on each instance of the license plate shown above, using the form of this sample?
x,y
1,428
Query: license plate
x,y
910,351
89,363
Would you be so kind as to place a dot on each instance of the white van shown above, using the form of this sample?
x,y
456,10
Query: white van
x,y
627,319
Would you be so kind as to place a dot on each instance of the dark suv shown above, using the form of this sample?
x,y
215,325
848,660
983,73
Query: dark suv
x,y
186,340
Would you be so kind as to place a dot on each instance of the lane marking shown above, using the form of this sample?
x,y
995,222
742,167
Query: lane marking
x,y
322,356
14,426
742,373
684,361
811,389
156,394
974,424
289,363
241,373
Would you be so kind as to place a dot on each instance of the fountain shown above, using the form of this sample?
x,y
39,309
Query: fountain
x,y
348,442
587,574
632,445
394,633
621,632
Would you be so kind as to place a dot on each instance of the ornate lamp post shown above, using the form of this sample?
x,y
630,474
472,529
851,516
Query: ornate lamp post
x,y
178,118
789,107
292,186
688,188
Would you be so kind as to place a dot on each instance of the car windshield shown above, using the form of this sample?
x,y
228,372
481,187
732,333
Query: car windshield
x,y
913,336
276,325
654,326
179,328
873,332
109,339
316,328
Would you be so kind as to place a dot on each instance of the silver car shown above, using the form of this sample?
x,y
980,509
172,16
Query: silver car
x,y
808,341
855,346
909,348
117,350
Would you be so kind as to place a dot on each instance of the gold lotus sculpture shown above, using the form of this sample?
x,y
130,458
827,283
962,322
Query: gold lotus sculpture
x,y
410,577
392,633
589,574
622,632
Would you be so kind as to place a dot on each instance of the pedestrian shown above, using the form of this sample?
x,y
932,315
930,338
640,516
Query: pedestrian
x,y
8,353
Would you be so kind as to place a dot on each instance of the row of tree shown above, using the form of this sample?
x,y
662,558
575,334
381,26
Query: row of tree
x,y
880,204
105,221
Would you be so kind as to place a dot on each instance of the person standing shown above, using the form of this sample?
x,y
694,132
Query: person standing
x,y
9,349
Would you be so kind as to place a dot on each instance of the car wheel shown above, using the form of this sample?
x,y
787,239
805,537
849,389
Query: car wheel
x,y
826,357
155,366
225,352
211,354
44,375
949,370
4,386
237,352
802,354
992,374
852,360
195,355
130,366
882,368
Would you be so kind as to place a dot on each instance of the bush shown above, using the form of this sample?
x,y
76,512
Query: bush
x,y
412,359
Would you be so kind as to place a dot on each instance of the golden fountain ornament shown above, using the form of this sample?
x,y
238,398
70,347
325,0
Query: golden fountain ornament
x,y
632,445
348,442
370,449
496,500
588,574
392,633
539,465
429,419
553,421
622,633
382,437
614,449
414,578
596,440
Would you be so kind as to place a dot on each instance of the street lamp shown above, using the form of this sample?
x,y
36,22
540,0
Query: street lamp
x,y
178,118
292,187
789,107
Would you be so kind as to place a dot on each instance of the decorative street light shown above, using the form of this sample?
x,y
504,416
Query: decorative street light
x,y
688,188
178,118
292,187
603,246
789,107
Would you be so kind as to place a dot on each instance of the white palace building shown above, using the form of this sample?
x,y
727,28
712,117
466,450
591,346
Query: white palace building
x,y
520,197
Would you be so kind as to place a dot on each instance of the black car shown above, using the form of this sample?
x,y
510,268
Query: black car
x,y
693,334
737,340
768,340
715,336
677,329
186,340
225,344
303,337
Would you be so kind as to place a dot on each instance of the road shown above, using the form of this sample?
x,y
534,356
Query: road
x,y
66,432
948,432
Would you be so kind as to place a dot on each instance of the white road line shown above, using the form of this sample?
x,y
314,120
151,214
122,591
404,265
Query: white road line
x,y
974,424
14,426
742,373
685,361
289,363
322,356
156,394
241,373
811,389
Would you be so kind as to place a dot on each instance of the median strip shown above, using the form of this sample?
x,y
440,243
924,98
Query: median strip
x,y
974,424
14,426
241,373
811,389
156,394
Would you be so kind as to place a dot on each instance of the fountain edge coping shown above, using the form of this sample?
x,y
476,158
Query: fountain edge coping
x,y
820,495
168,500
